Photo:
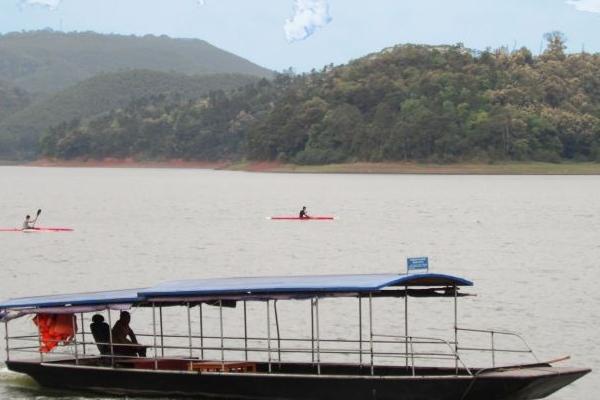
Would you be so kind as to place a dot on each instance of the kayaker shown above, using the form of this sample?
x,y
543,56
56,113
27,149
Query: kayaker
x,y
29,223
303,213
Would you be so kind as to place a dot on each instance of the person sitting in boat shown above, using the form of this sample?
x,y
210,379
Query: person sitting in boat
x,y
29,222
303,213
122,334
101,332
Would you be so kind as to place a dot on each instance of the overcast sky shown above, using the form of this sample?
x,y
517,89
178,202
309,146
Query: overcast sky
x,y
306,34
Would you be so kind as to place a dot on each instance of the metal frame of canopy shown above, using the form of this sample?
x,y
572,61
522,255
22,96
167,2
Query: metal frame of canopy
x,y
191,301
268,289
301,287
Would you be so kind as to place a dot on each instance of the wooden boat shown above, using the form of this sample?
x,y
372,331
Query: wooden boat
x,y
367,364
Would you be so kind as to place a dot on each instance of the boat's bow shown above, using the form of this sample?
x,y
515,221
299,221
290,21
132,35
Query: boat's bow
x,y
530,382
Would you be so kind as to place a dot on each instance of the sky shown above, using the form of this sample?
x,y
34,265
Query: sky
x,y
306,34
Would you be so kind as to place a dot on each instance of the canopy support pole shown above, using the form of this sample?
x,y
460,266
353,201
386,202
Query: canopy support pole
x,y
110,337
312,331
189,321
360,346
493,350
74,327
455,329
245,332
318,337
269,336
162,339
371,331
221,331
277,327
201,333
82,332
154,335
6,339
406,324
39,342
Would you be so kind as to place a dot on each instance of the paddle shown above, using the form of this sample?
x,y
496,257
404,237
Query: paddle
x,y
39,211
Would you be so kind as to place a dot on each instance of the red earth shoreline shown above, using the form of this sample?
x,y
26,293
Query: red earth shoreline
x,y
511,168
128,163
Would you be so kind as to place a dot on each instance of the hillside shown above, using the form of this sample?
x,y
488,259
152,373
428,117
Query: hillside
x,y
438,104
12,99
103,93
48,61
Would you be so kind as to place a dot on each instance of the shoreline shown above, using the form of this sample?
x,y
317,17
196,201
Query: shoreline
x,y
126,163
400,168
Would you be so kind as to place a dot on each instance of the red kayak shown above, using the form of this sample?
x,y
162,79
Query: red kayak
x,y
295,218
37,229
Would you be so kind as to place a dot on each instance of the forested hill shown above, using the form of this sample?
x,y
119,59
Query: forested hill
x,y
21,129
12,99
424,103
48,61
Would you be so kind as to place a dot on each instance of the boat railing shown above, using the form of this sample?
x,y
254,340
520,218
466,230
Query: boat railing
x,y
371,353
413,341
493,348
368,352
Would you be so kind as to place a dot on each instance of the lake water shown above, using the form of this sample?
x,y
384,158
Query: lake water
x,y
531,244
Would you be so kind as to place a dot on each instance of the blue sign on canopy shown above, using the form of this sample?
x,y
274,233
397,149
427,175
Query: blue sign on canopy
x,y
419,264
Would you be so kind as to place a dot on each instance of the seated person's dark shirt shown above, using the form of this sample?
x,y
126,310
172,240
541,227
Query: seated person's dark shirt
x,y
101,333
123,334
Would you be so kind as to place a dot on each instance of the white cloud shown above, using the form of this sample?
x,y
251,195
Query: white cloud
x,y
309,15
586,5
49,4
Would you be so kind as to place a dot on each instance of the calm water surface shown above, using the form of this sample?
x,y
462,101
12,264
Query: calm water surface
x,y
531,244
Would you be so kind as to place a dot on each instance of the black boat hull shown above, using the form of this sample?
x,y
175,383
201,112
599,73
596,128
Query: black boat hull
x,y
508,384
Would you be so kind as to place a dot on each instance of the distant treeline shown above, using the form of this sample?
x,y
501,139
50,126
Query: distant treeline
x,y
419,103
12,99
20,130
49,77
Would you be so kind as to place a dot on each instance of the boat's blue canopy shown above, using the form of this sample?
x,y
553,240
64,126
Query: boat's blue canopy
x,y
240,288
129,296
298,284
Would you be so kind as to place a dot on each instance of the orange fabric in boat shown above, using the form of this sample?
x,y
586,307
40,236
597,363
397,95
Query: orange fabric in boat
x,y
54,329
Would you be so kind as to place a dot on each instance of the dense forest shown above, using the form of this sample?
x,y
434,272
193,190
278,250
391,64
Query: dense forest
x,y
410,102
48,77
21,129
12,99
